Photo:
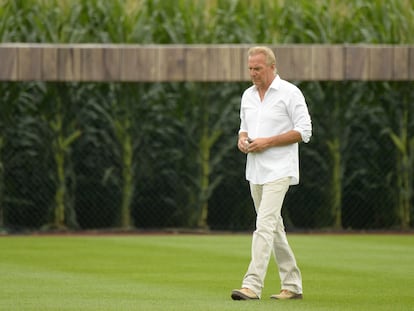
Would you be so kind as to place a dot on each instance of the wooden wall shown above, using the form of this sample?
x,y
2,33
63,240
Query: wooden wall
x,y
221,63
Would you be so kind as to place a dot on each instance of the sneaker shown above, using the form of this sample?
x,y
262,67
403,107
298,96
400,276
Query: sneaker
x,y
286,294
243,294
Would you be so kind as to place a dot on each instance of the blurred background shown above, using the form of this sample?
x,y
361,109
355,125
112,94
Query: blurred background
x,y
86,156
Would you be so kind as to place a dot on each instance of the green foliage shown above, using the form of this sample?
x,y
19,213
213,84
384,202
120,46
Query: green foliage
x,y
397,116
207,21
156,155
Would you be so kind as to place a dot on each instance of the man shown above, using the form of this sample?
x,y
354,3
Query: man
x,y
274,119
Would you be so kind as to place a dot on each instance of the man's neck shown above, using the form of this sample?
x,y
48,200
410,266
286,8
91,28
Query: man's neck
x,y
262,90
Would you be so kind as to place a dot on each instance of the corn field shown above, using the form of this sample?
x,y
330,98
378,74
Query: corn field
x,y
164,155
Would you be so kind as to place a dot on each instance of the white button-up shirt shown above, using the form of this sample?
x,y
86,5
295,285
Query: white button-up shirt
x,y
283,109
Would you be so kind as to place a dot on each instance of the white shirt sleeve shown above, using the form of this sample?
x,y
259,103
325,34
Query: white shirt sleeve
x,y
300,116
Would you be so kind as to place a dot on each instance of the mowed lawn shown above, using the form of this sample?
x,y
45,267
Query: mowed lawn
x,y
197,272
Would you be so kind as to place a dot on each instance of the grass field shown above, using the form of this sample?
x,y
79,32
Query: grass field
x,y
198,272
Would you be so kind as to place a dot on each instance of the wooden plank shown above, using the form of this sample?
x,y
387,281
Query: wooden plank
x,y
356,63
147,59
129,64
139,63
238,63
8,63
195,67
69,63
239,59
29,63
411,63
327,62
92,64
381,62
218,64
171,64
212,64
400,63
225,62
294,61
49,63
302,56
229,57
244,70
283,60
111,63
100,63
234,60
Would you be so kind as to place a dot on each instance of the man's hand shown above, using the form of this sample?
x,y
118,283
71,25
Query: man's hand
x,y
258,145
243,144
262,143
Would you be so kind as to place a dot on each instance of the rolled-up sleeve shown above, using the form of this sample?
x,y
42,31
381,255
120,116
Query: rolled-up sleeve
x,y
243,124
300,116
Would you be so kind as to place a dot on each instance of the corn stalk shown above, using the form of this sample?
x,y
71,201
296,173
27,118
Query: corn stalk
x,y
207,140
122,131
336,187
61,147
1,183
405,169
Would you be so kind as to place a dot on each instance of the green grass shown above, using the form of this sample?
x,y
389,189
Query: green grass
x,y
190,272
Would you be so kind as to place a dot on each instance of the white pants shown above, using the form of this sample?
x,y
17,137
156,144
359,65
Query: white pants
x,y
270,236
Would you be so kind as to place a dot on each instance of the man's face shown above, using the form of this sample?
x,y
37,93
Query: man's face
x,y
260,73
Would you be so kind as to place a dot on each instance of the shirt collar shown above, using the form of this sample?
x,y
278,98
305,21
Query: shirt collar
x,y
274,85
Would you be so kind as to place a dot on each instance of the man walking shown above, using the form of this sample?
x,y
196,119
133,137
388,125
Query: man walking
x,y
274,119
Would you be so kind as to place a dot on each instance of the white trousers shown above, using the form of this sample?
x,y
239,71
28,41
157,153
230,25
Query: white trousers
x,y
270,236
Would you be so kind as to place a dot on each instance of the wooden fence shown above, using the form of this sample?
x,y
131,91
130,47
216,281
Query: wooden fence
x,y
220,63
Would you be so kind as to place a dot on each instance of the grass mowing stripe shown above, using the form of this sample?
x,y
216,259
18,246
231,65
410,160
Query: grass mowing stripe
x,y
365,272
350,272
